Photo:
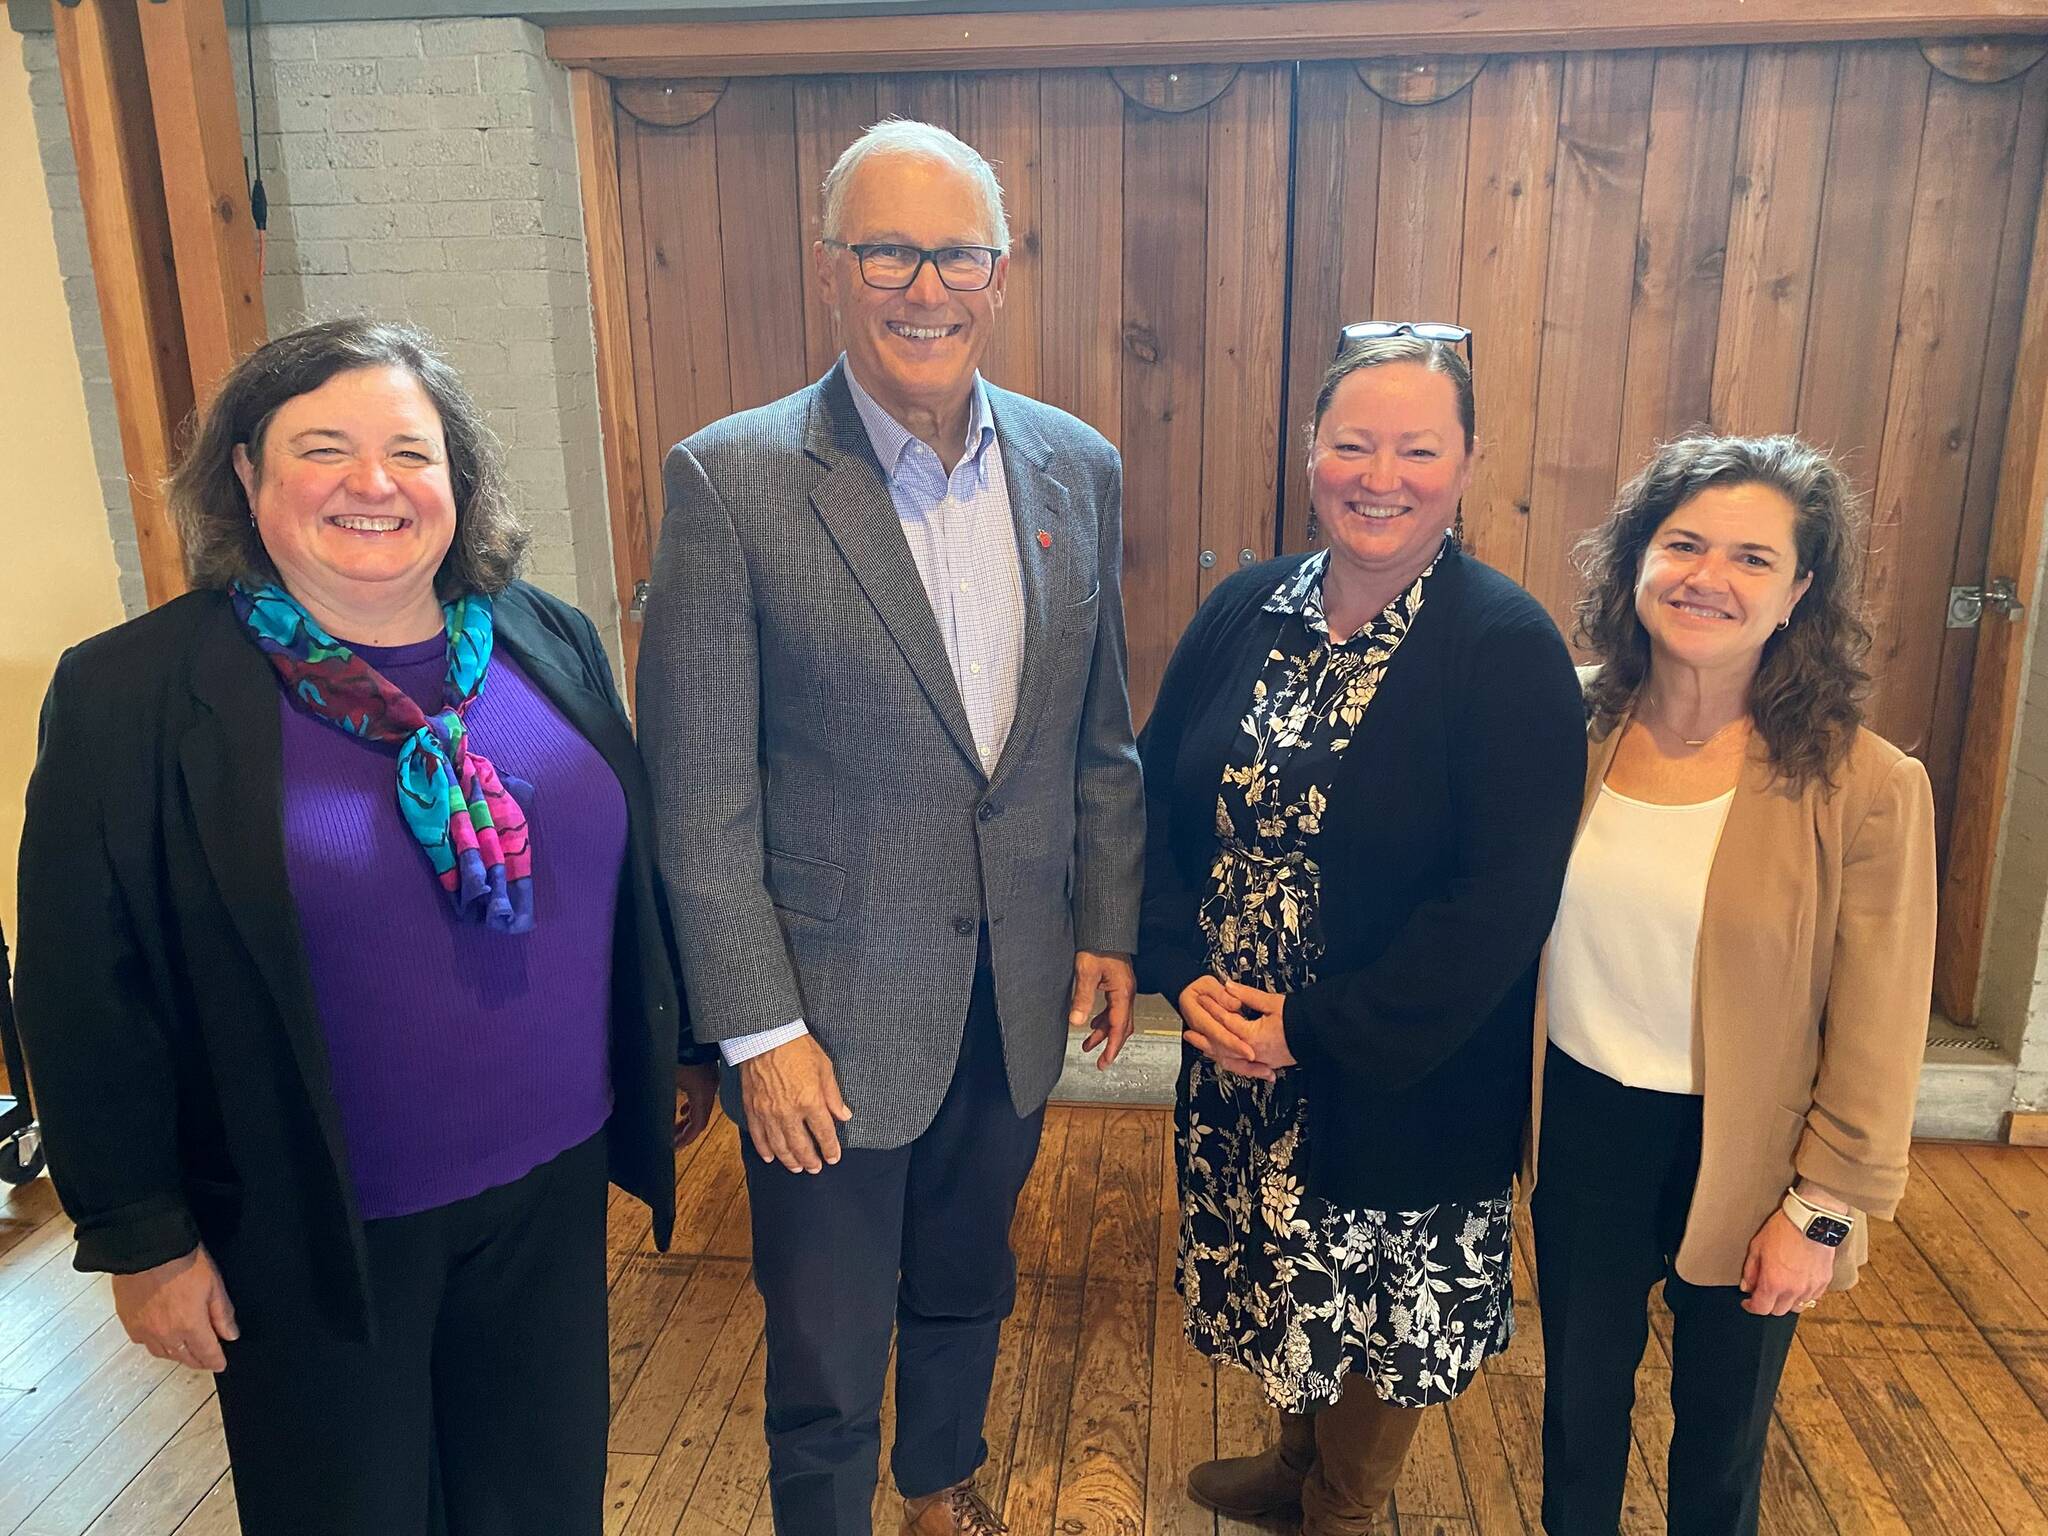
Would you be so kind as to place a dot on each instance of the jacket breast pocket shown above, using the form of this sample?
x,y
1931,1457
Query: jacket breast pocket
x,y
807,886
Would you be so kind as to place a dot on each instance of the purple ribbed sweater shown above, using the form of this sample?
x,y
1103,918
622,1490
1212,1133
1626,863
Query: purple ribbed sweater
x,y
461,1058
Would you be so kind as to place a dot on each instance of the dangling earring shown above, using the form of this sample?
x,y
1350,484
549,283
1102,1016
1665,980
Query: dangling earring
x,y
1315,526
1458,527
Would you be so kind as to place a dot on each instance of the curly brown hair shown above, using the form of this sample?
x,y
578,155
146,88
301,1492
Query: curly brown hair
x,y
212,511
1807,696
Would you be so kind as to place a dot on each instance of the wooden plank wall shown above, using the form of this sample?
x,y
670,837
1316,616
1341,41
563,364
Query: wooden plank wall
x,y
1156,316
1641,240
1647,241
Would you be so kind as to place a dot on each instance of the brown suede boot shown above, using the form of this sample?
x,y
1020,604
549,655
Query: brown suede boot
x,y
1361,1441
1251,1487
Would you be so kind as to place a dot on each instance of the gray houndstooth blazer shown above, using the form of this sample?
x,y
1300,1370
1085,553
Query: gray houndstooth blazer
x,y
828,839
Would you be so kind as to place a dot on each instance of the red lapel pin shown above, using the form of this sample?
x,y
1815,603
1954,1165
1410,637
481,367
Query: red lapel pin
x,y
1044,539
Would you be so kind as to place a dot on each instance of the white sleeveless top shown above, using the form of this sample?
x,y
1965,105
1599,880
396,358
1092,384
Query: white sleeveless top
x,y
1620,983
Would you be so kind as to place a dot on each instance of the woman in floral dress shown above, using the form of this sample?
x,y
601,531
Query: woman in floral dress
x,y
1363,775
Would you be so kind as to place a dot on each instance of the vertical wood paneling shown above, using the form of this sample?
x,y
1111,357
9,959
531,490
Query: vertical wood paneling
x,y
761,234
686,277
1688,184
1931,415
927,98
1507,248
1422,210
1860,257
831,112
1336,217
1987,447
1245,307
1787,100
999,115
1165,261
1081,256
640,304
1602,137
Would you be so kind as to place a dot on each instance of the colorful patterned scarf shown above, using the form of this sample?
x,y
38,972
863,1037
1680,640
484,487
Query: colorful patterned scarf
x,y
473,830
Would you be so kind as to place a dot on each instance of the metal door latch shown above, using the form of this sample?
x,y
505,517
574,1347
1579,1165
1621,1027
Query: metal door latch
x,y
1966,605
637,609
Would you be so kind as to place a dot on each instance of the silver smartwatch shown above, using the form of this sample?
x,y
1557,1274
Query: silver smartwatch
x,y
1828,1228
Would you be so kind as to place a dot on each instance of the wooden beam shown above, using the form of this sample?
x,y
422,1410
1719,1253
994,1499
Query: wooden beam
x,y
2001,665
199,145
106,96
1305,29
618,413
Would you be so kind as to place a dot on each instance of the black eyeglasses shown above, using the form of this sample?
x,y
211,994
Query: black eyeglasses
x,y
1423,330
962,268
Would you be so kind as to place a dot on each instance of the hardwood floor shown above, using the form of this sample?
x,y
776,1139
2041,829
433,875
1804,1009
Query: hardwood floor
x,y
1917,1403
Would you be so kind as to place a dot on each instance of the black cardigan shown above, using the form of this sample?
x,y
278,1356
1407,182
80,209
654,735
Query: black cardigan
x,y
177,1059
1442,853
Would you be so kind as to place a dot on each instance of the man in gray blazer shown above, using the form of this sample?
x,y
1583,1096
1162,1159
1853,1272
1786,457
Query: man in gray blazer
x,y
882,695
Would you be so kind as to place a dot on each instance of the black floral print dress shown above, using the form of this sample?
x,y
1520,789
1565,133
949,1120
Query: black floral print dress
x,y
1297,1291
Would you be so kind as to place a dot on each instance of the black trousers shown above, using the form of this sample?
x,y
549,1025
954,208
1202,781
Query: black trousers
x,y
1613,1187
480,1410
917,1237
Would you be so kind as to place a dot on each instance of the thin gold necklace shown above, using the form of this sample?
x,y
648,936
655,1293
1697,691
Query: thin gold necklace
x,y
1700,741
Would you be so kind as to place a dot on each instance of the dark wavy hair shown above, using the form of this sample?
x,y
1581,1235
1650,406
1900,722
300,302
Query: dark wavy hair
x,y
1807,697
212,511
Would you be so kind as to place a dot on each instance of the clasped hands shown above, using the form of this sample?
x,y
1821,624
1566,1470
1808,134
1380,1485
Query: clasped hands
x,y
1239,1028
791,1094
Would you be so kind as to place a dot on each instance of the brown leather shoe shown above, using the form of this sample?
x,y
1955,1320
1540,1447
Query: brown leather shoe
x,y
1253,1487
1361,1441
954,1511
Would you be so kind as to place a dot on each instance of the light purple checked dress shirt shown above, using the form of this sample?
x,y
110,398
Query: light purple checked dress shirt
x,y
964,542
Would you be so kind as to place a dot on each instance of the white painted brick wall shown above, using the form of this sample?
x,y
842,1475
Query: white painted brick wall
x,y
423,170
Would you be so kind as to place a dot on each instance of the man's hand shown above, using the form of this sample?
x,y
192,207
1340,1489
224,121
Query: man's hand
x,y
793,1107
178,1311
1110,975
696,1101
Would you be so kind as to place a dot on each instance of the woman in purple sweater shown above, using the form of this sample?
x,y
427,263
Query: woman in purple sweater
x,y
344,974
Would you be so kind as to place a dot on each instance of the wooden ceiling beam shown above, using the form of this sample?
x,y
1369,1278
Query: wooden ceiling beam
x,y
1239,34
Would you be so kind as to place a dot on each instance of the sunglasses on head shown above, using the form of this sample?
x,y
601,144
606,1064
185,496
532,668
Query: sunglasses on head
x,y
1422,330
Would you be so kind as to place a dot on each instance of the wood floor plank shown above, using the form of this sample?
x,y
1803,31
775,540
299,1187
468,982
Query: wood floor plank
x,y
1182,1431
681,1461
52,1449
1518,1411
725,1497
1990,1218
1652,1424
1102,1473
1429,1485
1790,1505
2021,1183
1969,1268
1837,1463
48,1245
1030,1235
654,1401
21,1418
1483,1461
1926,1484
173,1483
625,1476
35,1357
216,1514
92,1484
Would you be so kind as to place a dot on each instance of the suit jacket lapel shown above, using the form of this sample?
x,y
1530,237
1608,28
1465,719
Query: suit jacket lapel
x,y
233,762
1038,504
853,502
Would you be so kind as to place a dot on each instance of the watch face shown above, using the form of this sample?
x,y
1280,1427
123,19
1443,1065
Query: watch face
x,y
1827,1231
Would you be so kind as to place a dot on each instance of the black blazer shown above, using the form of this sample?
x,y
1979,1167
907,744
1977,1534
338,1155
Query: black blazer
x,y
1442,854
179,1066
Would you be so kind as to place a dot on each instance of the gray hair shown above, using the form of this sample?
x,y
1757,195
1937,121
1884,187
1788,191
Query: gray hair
x,y
902,136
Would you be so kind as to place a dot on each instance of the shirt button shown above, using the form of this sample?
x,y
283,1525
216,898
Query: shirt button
x,y
974,667
964,926
966,587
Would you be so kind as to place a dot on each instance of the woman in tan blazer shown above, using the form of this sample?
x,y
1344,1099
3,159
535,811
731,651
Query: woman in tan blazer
x,y
1733,1004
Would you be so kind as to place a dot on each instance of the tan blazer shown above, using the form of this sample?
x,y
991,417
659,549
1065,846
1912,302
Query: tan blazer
x,y
1811,988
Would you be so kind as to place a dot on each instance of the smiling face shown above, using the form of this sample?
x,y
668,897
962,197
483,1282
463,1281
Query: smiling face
x,y
915,350
1718,577
1387,469
353,498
